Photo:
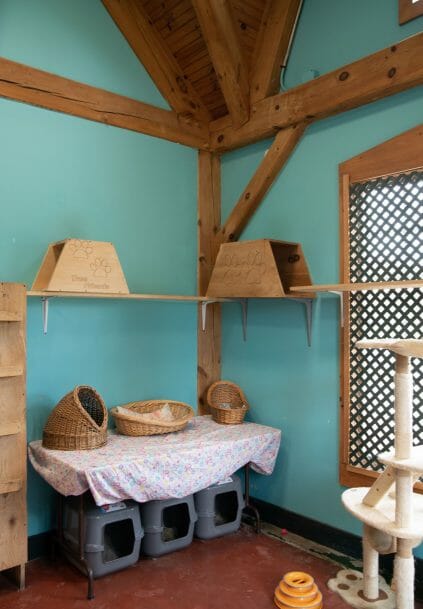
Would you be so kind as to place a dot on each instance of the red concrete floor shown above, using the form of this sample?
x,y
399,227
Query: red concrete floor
x,y
239,571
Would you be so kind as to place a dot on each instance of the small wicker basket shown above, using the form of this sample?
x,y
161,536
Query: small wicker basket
x,y
228,404
130,426
78,421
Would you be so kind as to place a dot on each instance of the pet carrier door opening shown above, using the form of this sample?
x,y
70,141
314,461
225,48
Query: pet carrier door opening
x,y
119,539
176,521
226,508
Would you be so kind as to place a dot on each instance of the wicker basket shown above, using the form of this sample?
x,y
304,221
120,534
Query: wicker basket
x,y
131,426
225,392
78,422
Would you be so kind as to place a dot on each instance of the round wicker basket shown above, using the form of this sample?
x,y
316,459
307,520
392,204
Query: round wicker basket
x,y
228,404
132,426
78,422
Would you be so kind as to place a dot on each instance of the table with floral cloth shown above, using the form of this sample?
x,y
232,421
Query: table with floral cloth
x,y
159,467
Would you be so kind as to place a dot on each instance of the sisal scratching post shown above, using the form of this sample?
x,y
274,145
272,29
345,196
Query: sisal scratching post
x,y
393,522
404,575
371,566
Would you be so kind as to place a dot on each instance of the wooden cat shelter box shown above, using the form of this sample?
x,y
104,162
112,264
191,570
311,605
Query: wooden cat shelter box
x,y
77,265
259,269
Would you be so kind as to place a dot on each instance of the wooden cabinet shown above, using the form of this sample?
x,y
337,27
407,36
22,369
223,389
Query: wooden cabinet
x,y
13,514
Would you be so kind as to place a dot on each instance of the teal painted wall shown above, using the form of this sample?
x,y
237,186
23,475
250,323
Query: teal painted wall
x,y
288,384
78,40
62,176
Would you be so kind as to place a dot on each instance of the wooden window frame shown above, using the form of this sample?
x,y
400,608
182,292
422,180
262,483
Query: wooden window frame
x,y
407,10
400,154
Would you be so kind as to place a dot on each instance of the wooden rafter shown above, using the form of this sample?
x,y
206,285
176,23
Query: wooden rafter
x,y
25,84
220,33
271,47
275,158
209,340
374,77
154,54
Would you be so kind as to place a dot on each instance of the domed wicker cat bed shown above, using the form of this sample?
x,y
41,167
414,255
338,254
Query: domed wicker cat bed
x,y
78,422
228,404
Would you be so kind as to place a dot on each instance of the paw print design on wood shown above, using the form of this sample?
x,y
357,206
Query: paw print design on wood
x,y
80,249
79,265
100,267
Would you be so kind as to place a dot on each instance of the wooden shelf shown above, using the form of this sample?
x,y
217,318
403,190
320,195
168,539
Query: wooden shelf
x,y
172,297
204,300
9,429
8,371
354,287
12,486
10,316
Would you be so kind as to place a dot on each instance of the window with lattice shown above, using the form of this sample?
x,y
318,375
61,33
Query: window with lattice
x,y
386,244
382,241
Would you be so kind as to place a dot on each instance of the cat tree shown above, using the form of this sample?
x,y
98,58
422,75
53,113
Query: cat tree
x,y
393,521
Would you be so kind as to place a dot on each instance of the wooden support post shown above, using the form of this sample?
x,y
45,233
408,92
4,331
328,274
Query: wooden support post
x,y
210,237
208,367
275,158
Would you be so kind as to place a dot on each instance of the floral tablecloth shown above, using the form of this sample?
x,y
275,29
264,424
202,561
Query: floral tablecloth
x,y
159,467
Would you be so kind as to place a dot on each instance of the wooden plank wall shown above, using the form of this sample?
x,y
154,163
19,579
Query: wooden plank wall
x,y
13,514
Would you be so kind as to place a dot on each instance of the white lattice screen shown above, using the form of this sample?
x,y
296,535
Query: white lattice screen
x,y
385,244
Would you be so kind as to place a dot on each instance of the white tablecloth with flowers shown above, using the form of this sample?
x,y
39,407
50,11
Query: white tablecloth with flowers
x,y
159,467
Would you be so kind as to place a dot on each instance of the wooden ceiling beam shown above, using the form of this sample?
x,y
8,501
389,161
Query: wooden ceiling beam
x,y
374,77
29,85
220,34
275,158
272,45
153,52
